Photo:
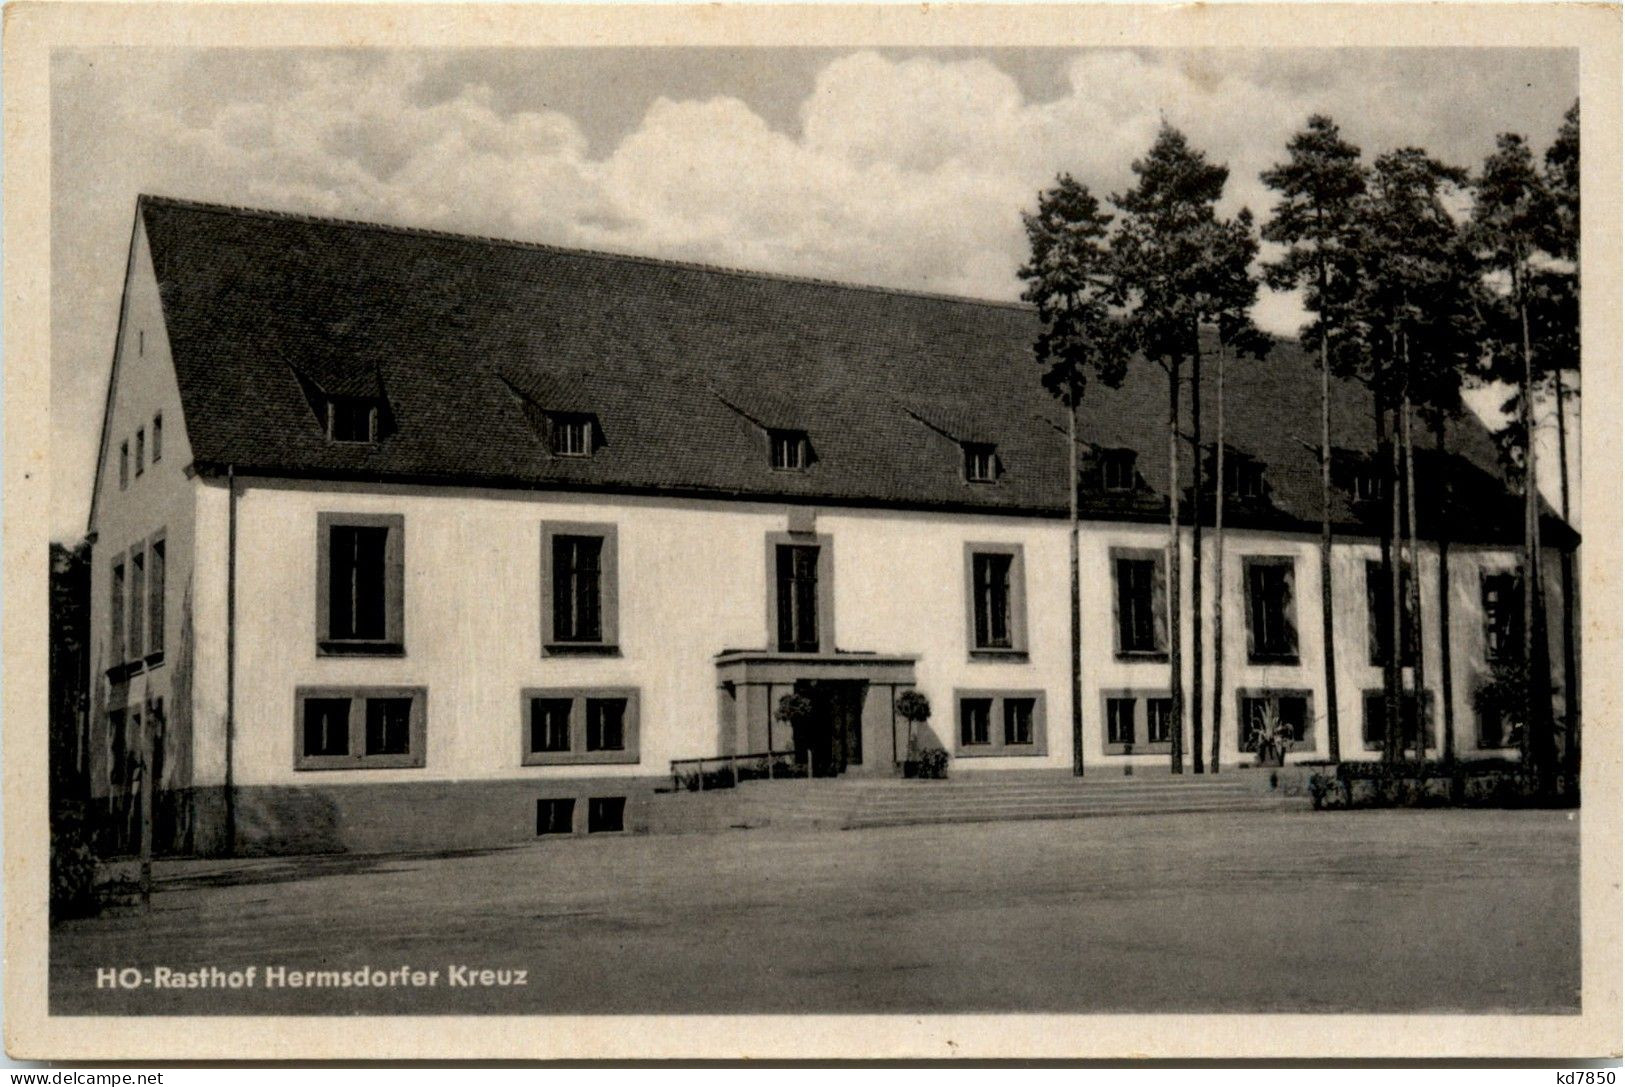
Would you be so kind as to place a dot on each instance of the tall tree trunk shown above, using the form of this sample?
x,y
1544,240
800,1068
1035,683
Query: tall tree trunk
x,y
1446,683
1176,679
1077,610
1218,576
1531,528
1390,572
1571,682
1334,750
1196,547
1413,590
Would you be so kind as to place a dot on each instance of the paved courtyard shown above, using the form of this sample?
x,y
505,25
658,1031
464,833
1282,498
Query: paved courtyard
x,y
1397,911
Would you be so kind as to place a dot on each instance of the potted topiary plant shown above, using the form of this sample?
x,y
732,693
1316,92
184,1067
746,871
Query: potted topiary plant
x,y
796,709
1269,737
915,708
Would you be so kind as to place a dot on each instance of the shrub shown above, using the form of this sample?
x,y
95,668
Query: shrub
x,y
933,763
73,868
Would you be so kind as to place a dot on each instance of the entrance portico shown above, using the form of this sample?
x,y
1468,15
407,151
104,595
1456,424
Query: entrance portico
x,y
854,728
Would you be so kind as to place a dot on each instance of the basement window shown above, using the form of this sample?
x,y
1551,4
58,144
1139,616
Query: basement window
x,y
980,462
556,815
606,814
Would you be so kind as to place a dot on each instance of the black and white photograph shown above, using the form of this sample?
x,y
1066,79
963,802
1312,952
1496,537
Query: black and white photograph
x,y
808,529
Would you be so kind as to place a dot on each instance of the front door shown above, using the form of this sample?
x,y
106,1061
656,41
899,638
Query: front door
x,y
832,737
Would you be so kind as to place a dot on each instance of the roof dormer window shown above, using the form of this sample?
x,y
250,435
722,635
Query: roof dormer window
x,y
791,451
1244,477
572,435
981,463
352,420
1117,470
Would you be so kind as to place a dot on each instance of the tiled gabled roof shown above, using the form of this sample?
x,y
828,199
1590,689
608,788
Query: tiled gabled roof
x,y
681,365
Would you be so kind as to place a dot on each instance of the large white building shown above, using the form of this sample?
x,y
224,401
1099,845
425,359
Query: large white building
x,y
402,539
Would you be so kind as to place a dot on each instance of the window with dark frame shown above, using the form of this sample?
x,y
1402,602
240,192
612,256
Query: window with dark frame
x,y
1117,470
140,450
138,604
1137,628
1244,476
359,728
118,760
1271,635
797,586
327,727
1379,610
1018,722
116,611
606,814
556,815
352,420
1495,728
357,582
1367,483
123,465
572,435
389,726
1120,720
1502,597
155,598
157,437
1374,723
990,572
975,721
791,452
1159,718
980,462
606,724
578,588
550,724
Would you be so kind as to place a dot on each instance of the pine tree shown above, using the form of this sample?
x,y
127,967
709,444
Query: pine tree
x,y
1512,213
1320,185
1068,277
1163,259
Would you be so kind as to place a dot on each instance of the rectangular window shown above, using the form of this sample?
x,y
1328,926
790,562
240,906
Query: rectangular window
x,y
1159,720
360,599
1120,720
1284,714
579,593
138,604
791,451
993,723
118,752
352,420
577,726
1018,722
975,717
360,728
1375,718
155,598
572,435
1272,635
116,610
606,814
157,438
123,465
1117,470
556,815
798,598
1140,603
606,724
549,725
1503,617
1379,610
140,450
992,579
1496,729
980,463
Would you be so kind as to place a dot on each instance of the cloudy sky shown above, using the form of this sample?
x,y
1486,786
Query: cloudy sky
x,y
907,168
